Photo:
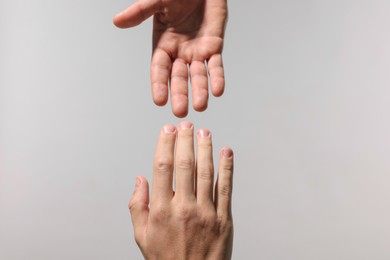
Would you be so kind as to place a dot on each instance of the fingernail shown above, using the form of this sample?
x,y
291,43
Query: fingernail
x,y
137,182
169,129
227,152
185,125
202,133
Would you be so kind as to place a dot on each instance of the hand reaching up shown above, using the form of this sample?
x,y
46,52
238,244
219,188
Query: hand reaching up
x,y
191,219
187,44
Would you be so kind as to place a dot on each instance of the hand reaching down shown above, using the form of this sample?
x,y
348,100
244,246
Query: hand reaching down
x,y
195,220
187,44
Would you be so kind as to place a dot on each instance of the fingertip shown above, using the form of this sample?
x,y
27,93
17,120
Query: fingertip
x,y
141,183
114,20
169,129
200,105
141,179
136,13
217,86
138,182
119,21
227,152
185,125
203,133
141,192
160,94
160,101
180,112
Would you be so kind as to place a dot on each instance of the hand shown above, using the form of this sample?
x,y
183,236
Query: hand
x,y
187,223
185,33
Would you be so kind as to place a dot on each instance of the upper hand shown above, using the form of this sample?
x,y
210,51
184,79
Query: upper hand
x,y
187,43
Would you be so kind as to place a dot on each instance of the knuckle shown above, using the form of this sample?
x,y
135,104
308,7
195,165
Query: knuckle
x,y
131,205
225,224
160,66
185,212
205,144
138,238
227,167
201,92
207,220
185,163
159,213
180,97
206,174
225,191
163,165
179,76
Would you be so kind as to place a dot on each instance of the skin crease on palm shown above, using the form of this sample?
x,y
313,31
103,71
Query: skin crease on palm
x,y
194,221
187,44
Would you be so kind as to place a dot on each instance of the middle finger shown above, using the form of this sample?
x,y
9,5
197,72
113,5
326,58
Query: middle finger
x,y
184,160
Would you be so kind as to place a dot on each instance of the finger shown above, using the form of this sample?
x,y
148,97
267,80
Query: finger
x,y
199,84
179,88
184,160
163,165
139,208
224,185
217,76
137,13
160,69
204,167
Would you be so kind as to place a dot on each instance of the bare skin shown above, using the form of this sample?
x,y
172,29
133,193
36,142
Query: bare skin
x,y
187,44
195,220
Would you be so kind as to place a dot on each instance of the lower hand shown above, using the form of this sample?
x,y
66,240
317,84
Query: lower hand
x,y
195,220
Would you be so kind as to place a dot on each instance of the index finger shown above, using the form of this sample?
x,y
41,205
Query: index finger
x,y
217,76
160,70
163,164
136,13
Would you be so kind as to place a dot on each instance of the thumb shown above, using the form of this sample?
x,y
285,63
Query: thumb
x,y
137,13
139,208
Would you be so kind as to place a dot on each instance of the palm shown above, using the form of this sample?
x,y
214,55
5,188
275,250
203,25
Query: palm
x,y
186,36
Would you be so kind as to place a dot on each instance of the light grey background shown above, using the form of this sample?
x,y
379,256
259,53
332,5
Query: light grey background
x,y
306,110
